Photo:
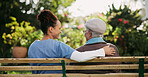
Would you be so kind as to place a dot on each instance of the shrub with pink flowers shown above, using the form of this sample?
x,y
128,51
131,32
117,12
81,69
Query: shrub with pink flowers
x,y
125,18
124,33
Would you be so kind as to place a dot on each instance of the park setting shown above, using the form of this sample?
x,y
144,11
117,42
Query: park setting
x,y
23,26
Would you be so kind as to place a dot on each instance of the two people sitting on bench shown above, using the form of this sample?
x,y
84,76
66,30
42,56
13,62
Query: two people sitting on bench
x,y
47,47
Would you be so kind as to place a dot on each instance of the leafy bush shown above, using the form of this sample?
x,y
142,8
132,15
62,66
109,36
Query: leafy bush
x,y
21,34
124,31
74,37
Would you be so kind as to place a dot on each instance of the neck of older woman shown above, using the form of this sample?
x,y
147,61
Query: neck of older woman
x,y
45,37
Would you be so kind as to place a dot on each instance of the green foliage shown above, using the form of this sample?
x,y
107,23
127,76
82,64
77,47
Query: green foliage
x,y
27,10
124,18
22,34
73,37
124,31
18,10
55,6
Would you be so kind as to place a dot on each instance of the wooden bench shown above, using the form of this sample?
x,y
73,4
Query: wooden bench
x,y
141,66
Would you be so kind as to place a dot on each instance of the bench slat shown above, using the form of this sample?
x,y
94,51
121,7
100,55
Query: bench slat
x,y
68,67
58,60
75,75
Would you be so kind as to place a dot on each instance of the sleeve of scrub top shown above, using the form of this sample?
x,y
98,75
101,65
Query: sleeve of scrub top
x,y
68,52
87,55
64,50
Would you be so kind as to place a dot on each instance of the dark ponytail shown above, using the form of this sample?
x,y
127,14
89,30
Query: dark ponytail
x,y
46,19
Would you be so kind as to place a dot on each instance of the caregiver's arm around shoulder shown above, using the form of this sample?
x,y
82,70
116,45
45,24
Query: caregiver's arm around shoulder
x,y
87,55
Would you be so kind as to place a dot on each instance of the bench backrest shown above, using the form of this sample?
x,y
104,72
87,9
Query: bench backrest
x,y
140,59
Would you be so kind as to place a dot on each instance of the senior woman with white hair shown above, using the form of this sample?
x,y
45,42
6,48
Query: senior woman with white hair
x,y
95,29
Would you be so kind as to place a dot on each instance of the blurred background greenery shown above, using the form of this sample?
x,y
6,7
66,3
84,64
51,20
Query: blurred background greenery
x,y
19,26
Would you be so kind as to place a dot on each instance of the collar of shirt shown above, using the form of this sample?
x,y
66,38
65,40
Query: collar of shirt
x,y
95,40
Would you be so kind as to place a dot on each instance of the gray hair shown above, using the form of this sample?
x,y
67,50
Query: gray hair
x,y
94,34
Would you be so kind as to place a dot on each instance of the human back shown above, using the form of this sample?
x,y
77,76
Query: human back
x,y
95,46
48,49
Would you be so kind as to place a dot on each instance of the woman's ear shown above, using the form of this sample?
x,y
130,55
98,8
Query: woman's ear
x,y
49,30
